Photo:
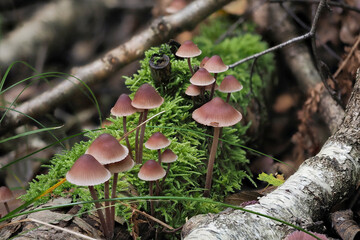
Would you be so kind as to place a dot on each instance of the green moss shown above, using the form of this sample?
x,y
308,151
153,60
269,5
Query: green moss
x,y
187,175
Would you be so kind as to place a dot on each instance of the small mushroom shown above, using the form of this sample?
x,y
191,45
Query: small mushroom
x,y
87,171
216,113
188,50
215,65
151,171
168,156
192,91
229,85
5,196
157,141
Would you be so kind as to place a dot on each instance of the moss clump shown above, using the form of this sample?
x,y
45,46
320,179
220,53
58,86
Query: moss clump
x,y
189,140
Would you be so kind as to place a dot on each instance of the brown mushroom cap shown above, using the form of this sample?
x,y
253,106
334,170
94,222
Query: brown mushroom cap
x,y
106,149
230,84
192,90
121,166
202,78
5,194
157,141
168,156
216,65
151,171
217,113
202,63
146,97
87,171
188,50
123,106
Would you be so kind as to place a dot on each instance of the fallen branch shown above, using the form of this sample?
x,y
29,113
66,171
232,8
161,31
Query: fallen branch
x,y
159,31
304,198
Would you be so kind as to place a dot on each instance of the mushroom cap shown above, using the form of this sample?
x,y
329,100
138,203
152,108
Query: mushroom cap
x,y
157,141
123,106
215,65
188,49
230,84
87,171
146,97
168,156
106,149
122,166
151,171
5,194
202,63
192,90
217,113
202,78
299,235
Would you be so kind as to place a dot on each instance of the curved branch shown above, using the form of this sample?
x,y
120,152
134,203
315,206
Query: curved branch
x,y
159,31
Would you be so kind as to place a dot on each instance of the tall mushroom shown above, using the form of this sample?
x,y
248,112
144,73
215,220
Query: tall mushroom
x,y
146,97
188,50
229,85
215,65
216,113
5,196
87,171
123,108
151,171
106,149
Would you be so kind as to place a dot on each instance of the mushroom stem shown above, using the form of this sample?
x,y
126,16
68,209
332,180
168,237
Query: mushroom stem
x,y
167,172
7,207
142,133
213,87
189,63
100,213
137,140
126,138
151,202
113,195
228,97
159,155
107,207
211,161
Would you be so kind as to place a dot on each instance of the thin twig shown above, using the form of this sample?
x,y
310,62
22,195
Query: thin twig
x,y
331,3
342,65
310,34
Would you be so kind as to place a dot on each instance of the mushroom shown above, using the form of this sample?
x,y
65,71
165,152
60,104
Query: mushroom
x,y
106,149
5,196
192,91
229,85
215,65
202,78
202,63
151,171
188,50
146,97
216,113
115,168
123,108
168,156
87,171
157,141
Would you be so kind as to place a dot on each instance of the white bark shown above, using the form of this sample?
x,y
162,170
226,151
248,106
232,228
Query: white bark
x,y
304,198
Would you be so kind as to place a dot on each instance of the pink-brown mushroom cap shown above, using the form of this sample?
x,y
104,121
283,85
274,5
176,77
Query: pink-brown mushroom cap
x,y
106,149
192,90
5,194
203,62
157,141
168,156
217,113
188,50
299,235
215,65
87,171
202,78
230,84
146,97
151,171
122,166
123,106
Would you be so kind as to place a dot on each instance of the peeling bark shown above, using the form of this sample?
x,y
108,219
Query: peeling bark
x,y
306,197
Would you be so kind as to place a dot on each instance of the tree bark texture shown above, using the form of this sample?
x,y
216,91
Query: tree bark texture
x,y
304,198
159,31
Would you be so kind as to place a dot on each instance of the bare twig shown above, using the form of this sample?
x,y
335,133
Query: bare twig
x,y
331,3
310,34
159,31
354,47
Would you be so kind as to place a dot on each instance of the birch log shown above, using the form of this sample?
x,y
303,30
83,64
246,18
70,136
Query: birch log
x,y
304,198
